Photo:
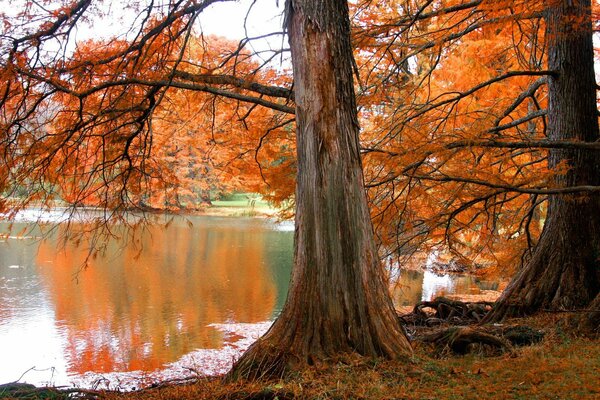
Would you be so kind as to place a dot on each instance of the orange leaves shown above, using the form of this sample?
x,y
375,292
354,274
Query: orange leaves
x,y
164,118
437,76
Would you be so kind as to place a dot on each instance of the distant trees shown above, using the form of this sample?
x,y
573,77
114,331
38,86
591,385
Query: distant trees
x,y
90,121
207,143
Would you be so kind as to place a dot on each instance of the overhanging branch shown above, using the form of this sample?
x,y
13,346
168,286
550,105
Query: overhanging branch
x,y
273,91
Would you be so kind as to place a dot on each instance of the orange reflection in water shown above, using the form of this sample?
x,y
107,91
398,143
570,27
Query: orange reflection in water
x,y
139,310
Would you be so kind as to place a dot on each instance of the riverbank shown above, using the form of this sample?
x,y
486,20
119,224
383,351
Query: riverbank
x,y
264,211
562,366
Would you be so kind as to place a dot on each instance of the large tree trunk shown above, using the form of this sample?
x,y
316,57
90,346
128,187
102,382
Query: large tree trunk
x,y
563,272
338,302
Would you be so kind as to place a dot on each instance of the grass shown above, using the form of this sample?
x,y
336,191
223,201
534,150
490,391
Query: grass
x,y
240,203
560,367
240,207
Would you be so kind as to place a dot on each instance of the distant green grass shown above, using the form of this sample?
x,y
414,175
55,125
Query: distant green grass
x,y
241,200
239,203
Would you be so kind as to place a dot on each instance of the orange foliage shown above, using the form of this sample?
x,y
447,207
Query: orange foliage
x,y
114,125
444,85
452,104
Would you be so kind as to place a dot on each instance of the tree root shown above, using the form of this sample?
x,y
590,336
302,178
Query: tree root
x,y
453,326
486,340
463,340
261,361
446,310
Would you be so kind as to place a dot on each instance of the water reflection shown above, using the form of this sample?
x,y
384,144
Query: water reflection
x,y
410,287
137,310
28,334
187,289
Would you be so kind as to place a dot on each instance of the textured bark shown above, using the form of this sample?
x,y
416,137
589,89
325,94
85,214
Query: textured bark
x,y
563,272
338,302
588,322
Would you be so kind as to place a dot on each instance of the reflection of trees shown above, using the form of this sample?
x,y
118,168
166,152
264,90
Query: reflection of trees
x,y
18,286
408,288
139,310
279,251
413,286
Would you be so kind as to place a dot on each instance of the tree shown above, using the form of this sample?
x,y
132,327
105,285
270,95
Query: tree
x,y
471,148
448,88
564,270
338,301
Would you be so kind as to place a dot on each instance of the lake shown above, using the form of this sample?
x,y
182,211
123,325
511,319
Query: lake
x,y
185,299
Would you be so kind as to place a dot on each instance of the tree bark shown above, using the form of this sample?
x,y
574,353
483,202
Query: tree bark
x,y
563,272
588,321
338,302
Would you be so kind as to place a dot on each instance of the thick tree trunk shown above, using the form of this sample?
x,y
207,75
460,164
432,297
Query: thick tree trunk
x,y
563,272
338,302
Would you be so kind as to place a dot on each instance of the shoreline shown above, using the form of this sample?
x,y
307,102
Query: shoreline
x,y
541,370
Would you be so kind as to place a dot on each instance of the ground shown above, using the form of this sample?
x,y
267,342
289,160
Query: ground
x,y
562,366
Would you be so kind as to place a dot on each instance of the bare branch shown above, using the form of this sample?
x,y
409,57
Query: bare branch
x,y
273,91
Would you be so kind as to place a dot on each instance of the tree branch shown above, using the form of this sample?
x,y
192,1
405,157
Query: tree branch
x,y
529,92
461,95
517,122
273,91
509,188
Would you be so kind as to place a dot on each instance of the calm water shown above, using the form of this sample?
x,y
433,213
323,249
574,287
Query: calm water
x,y
197,293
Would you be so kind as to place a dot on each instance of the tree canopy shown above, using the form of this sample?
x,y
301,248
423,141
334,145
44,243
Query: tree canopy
x,y
452,98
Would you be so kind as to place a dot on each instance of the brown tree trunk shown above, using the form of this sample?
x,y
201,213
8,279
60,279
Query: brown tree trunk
x,y
338,302
563,272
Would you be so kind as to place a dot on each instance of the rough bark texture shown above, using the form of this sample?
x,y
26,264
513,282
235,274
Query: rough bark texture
x,y
588,322
338,302
563,272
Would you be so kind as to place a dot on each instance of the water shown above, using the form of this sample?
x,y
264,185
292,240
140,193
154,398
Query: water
x,y
186,299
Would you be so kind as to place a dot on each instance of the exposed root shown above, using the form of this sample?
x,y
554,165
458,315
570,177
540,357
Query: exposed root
x,y
443,310
453,326
261,362
486,340
503,310
463,340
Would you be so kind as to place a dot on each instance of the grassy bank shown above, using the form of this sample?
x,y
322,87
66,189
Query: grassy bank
x,y
240,205
560,367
